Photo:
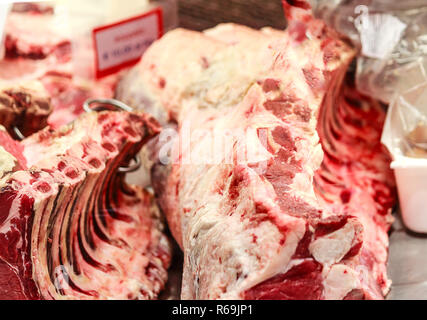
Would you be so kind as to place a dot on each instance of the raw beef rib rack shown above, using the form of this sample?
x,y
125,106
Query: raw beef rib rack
x,y
70,227
294,222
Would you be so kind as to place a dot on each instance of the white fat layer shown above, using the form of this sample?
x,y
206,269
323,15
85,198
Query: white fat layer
x,y
332,248
40,153
281,262
7,161
340,280
34,86
224,243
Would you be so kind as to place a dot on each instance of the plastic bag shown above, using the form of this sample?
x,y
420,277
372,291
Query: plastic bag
x,y
405,130
392,36
391,66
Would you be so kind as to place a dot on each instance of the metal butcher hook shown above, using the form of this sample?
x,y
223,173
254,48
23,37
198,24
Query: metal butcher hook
x,y
112,104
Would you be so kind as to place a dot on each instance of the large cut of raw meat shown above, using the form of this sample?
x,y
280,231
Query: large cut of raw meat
x,y
276,185
68,94
31,35
25,106
38,47
70,227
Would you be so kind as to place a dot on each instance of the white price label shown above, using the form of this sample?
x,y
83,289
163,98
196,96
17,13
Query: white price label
x,y
122,44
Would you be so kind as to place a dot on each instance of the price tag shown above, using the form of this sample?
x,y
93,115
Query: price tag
x,y
122,44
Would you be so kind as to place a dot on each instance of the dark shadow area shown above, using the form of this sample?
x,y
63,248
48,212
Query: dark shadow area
x,y
202,14
172,290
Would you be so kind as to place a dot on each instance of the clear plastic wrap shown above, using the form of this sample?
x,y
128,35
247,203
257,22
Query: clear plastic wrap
x,y
392,36
405,130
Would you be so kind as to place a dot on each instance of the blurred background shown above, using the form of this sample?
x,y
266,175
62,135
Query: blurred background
x,y
202,14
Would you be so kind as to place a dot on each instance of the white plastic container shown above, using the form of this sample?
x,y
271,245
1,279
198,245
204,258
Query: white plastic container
x,y
411,179
407,111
